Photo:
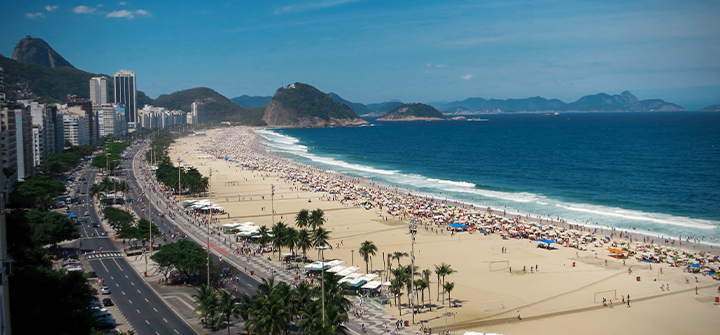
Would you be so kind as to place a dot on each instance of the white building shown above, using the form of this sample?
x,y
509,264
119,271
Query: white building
x,y
98,90
111,120
75,125
197,109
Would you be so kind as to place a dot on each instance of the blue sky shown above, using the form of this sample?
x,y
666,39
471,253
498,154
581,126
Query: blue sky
x,y
373,51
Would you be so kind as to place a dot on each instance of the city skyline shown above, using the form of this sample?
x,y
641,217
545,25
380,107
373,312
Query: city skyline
x,y
368,51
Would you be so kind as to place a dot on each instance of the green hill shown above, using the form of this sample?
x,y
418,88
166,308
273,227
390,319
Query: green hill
x,y
52,85
301,105
413,112
217,107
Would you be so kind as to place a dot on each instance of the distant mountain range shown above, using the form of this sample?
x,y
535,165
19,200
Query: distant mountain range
x,y
251,101
711,108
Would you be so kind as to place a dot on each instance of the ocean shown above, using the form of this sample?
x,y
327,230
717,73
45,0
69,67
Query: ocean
x,y
651,173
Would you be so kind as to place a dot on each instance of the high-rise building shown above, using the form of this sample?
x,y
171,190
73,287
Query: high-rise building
x,y
75,126
87,106
126,93
44,120
111,120
9,146
98,90
6,130
23,143
197,109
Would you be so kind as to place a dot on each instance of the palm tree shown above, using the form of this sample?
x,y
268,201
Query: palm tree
x,y
228,308
278,230
317,218
264,236
444,270
321,237
367,249
290,239
207,301
448,288
389,267
426,276
399,254
438,272
304,241
302,218
421,285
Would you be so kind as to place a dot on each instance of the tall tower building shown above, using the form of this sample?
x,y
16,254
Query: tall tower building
x,y
98,90
87,106
126,93
197,109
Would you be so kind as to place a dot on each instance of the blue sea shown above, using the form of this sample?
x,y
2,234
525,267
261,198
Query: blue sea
x,y
652,173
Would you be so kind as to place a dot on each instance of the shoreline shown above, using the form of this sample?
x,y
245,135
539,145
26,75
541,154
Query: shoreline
x,y
538,295
700,245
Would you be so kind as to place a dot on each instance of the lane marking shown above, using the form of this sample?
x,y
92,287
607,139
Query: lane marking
x,y
123,292
155,309
165,320
121,269
128,299
157,333
138,311
176,331
103,264
111,277
139,292
146,321
133,284
126,276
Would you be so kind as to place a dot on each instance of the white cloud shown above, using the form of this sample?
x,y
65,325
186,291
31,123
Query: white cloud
x,y
441,65
467,76
121,13
50,8
143,12
84,10
123,3
34,15
313,5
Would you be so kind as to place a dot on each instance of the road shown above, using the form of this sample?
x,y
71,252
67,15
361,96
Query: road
x,y
146,312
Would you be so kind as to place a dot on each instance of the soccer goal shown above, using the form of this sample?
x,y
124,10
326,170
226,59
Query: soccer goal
x,y
494,305
609,294
498,265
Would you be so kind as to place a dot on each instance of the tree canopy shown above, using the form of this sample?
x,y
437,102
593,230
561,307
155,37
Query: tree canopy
x,y
51,228
185,257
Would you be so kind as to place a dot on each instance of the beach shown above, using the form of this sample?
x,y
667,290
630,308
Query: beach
x,y
563,294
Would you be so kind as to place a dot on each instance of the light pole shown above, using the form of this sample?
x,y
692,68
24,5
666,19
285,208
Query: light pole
x,y
321,254
413,232
208,230
352,257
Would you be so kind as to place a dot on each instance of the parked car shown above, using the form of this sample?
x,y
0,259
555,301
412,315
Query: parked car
x,y
96,225
107,302
71,261
105,323
105,290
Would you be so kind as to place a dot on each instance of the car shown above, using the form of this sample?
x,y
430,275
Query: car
x,y
103,233
105,290
113,331
71,261
95,303
98,309
107,302
87,213
83,192
96,225
105,323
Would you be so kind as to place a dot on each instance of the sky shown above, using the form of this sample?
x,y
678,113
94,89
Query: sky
x,y
372,51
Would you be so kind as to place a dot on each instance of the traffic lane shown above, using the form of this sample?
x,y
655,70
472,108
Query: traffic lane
x,y
144,309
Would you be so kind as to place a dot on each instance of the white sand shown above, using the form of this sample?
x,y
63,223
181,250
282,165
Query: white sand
x,y
557,299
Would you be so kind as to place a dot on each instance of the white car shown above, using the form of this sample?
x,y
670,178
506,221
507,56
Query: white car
x,y
105,290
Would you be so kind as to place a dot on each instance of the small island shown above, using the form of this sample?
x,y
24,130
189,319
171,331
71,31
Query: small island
x,y
413,112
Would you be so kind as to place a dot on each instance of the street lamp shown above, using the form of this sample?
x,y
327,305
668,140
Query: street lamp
x,y
413,232
321,254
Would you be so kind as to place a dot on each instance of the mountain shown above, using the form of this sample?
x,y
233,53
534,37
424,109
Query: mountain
x,y
36,51
356,106
217,107
413,112
375,106
387,107
598,102
711,108
301,105
247,101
